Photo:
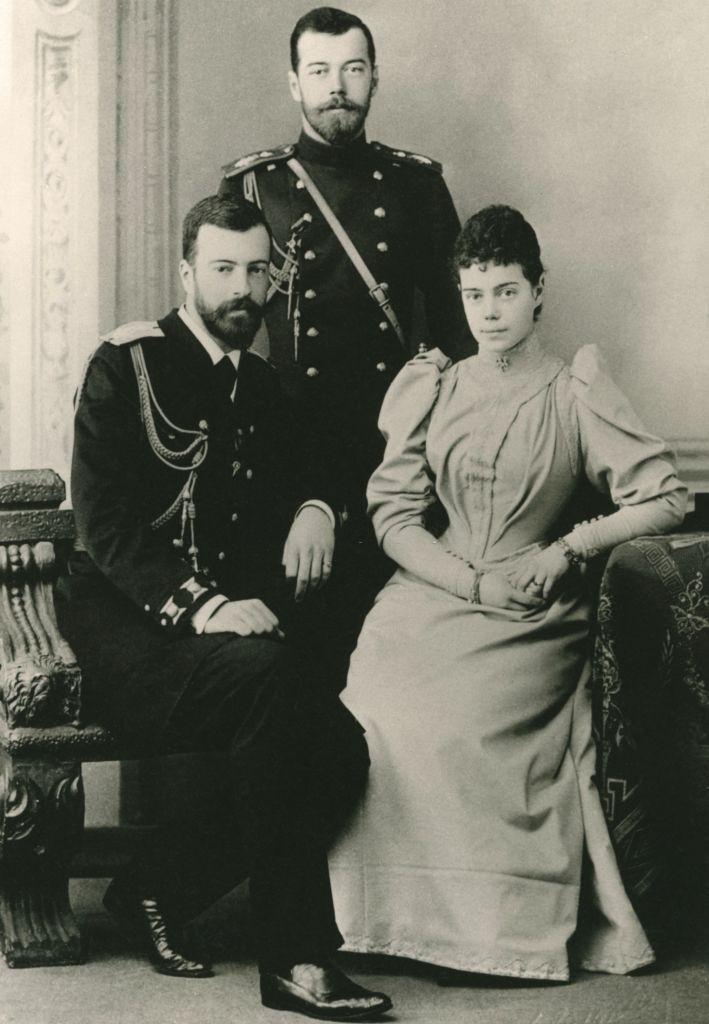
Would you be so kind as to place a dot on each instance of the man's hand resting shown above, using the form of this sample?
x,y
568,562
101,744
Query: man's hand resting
x,y
246,618
308,551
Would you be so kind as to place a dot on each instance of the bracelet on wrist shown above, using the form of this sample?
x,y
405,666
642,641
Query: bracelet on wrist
x,y
474,596
573,557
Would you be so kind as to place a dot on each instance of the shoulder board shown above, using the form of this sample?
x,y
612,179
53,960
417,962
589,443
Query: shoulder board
x,y
402,156
134,331
263,156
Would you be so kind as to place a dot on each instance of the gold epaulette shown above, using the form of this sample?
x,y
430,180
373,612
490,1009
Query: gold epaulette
x,y
133,331
263,156
402,156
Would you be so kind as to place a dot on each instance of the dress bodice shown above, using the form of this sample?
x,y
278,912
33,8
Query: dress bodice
x,y
503,447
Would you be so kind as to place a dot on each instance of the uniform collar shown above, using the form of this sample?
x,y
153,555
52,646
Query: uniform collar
x,y
197,328
332,156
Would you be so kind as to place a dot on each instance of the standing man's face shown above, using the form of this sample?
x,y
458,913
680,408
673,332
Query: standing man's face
x,y
226,282
334,84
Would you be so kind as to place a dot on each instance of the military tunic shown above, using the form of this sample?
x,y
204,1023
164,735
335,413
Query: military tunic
x,y
131,594
333,346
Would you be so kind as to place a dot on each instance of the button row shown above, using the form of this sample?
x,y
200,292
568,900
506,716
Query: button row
x,y
312,371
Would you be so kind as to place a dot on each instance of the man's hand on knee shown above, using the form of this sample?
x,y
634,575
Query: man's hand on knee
x,y
246,618
308,551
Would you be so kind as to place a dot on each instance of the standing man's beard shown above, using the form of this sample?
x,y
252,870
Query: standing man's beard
x,y
338,121
235,322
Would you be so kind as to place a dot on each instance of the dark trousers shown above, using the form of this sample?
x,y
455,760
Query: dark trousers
x,y
296,762
327,624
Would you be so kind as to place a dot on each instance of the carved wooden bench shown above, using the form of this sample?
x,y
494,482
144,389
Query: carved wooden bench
x,y
43,738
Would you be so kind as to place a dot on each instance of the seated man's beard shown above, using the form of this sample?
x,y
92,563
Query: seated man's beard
x,y
234,322
338,121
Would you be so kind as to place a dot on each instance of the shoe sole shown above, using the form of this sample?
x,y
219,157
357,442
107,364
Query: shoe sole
x,y
278,1000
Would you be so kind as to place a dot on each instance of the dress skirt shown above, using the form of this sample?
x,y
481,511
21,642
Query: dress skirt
x,y
482,829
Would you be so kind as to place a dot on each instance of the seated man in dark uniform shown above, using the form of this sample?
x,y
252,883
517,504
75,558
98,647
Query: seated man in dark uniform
x,y
189,496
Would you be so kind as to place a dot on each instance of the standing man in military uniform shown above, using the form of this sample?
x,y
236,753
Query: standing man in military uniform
x,y
359,228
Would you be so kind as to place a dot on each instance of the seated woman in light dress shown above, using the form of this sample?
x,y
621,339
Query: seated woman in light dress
x,y
481,843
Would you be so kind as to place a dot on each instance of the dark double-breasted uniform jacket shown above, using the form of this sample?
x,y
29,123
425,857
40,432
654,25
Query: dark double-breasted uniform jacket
x,y
332,344
164,532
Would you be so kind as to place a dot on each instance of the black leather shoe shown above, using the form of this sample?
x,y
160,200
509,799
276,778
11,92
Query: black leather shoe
x,y
322,991
140,920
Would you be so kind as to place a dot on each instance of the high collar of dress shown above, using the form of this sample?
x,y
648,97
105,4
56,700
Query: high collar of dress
x,y
518,363
316,152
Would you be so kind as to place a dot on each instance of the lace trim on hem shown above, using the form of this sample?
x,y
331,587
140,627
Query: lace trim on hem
x,y
484,965
617,967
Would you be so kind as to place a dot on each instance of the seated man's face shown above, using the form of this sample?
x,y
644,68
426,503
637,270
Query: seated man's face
x,y
227,282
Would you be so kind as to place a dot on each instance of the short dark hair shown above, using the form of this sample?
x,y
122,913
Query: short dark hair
x,y
332,21
223,212
498,234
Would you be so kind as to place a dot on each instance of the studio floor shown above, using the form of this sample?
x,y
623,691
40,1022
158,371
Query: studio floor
x,y
118,988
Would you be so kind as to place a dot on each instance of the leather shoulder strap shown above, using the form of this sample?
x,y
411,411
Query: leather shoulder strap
x,y
377,291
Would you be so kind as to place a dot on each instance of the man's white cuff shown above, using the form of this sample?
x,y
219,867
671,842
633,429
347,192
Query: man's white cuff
x,y
204,613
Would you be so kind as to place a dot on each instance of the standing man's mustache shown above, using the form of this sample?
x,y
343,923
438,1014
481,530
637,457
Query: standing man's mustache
x,y
337,103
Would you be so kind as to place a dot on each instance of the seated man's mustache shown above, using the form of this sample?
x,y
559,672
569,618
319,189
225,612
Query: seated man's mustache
x,y
246,305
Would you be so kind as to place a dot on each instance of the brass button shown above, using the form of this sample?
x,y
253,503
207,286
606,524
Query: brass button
x,y
381,367
234,517
312,371
312,332
383,325
309,254
300,184
378,175
252,429
380,212
221,556
271,167
310,293
249,473
147,607
382,246
163,622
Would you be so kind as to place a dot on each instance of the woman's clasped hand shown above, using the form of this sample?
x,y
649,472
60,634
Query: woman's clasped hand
x,y
497,591
539,573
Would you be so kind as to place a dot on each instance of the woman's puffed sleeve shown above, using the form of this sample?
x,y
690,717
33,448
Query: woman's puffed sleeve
x,y
401,488
620,457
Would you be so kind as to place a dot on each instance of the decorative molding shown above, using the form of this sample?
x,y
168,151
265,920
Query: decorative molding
x,y
55,107
40,681
41,823
58,6
144,223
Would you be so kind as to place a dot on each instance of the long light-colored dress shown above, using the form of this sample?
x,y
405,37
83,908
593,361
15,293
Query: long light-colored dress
x,y
468,848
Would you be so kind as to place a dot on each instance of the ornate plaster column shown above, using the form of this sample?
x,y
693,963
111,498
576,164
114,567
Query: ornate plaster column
x,y
144,160
50,219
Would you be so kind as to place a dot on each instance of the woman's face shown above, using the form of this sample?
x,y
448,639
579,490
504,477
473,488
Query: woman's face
x,y
499,304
